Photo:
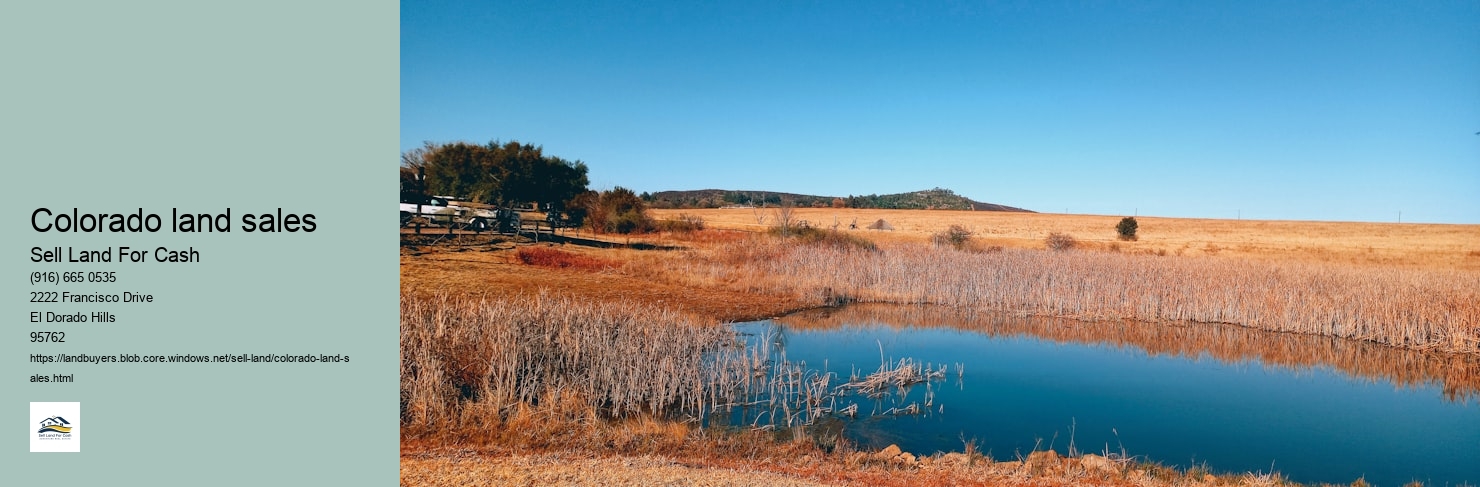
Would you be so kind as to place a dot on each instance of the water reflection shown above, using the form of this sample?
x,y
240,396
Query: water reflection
x,y
1456,375
1317,409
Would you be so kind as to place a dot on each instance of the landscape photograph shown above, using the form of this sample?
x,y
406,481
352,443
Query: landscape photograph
x,y
940,243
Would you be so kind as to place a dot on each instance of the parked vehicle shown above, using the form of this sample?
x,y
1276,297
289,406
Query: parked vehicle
x,y
449,212
413,205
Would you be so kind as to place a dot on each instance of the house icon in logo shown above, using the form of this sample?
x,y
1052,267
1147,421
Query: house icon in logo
x,y
55,424
60,429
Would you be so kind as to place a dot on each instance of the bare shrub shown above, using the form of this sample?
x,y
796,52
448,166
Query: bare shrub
x,y
827,238
1060,241
956,236
694,221
685,223
783,217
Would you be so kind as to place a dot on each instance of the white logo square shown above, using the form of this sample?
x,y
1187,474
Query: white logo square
x,y
55,427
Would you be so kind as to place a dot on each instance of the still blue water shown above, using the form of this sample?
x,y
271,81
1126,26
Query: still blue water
x,y
1019,393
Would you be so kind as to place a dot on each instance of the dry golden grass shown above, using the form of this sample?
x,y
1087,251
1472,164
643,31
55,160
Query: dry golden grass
x,y
552,257
747,460
1385,244
496,268
467,469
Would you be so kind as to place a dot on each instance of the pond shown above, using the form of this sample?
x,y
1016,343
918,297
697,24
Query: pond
x,y
1228,398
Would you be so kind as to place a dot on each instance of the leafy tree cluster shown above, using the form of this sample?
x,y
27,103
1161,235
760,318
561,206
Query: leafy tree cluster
x,y
501,174
616,211
932,199
719,198
938,199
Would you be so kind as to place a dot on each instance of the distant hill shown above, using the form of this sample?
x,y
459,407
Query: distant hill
x,y
930,199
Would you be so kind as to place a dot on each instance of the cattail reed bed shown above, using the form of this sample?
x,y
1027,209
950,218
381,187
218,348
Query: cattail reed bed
x,y
1410,308
472,361
758,387
465,360
469,361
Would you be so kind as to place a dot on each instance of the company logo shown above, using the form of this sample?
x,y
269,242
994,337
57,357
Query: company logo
x,y
56,424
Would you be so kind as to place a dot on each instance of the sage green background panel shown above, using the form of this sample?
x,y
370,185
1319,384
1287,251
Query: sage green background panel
x,y
113,107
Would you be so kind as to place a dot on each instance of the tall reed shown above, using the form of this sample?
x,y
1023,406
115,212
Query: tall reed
x,y
757,386
1410,308
468,359
470,362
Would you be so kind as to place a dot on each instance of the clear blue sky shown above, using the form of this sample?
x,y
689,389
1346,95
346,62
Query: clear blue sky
x,y
1277,110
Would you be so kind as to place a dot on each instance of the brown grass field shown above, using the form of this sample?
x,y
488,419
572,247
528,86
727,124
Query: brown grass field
x,y
1386,244
505,361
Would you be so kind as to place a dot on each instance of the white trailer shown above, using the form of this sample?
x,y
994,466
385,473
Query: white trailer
x,y
451,213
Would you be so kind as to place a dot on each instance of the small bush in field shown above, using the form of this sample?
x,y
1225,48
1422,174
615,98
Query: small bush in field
x,y
956,236
829,238
618,211
685,223
1126,229
1060,241
630,222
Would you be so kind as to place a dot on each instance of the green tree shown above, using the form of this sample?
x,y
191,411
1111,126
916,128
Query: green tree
x,y
502,174
619,211
459,169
